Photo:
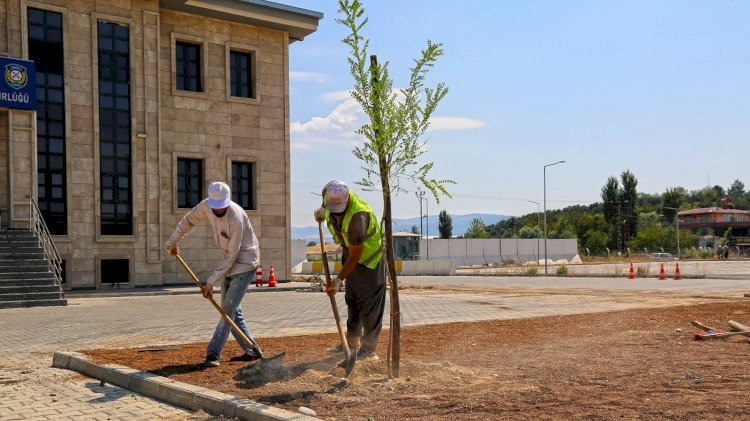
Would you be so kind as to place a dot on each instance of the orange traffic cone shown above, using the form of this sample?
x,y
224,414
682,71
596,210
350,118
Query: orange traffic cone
x,y
632,272
677,275
259,276
662,274
272,278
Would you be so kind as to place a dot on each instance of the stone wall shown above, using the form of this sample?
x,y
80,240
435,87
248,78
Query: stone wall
x,y
166,124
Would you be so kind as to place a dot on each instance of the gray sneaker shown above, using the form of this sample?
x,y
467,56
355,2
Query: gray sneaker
x,y
211,361
364,354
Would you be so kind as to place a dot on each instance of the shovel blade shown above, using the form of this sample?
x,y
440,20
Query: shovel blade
x,y
349,364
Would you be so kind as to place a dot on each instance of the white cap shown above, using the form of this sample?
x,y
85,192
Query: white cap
x,y
335,196
219,195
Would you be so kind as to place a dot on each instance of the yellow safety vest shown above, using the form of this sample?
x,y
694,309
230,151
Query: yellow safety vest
x,y
373,244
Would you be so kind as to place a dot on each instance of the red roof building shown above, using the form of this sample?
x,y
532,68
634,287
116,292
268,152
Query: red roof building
x,y
713,222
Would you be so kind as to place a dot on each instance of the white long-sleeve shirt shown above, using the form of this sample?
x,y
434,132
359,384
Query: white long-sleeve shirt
x,y
233,233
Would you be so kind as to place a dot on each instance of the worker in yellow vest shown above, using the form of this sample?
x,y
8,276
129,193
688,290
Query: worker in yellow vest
x,y
356,228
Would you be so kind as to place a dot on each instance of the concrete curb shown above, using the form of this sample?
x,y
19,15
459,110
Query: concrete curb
x,y
145,292
173,392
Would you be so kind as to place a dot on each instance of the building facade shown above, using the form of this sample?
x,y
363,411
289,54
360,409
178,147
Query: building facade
x,y
140,104
710,225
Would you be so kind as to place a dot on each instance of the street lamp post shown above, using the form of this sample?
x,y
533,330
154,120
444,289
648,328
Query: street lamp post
x,y
420,197
538,226
427,224
545,213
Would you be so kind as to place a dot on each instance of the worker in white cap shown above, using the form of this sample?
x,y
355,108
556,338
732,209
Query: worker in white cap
x,y
353,225
235,237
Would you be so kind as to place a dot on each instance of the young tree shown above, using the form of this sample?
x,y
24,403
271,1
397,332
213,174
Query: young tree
x,y
445,224
393,137
414,229
477,229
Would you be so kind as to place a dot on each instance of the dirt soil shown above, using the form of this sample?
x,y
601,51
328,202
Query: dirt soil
x,y
636,364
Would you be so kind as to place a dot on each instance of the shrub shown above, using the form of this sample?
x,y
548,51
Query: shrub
x,y
641,271
532,271
562,271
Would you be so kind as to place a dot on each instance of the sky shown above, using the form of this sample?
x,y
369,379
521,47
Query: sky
x,y
659,88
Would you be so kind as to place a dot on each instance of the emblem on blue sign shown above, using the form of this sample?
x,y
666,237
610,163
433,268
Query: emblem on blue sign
x,y
15,75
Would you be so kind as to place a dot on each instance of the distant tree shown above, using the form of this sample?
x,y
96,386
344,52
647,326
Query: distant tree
x,y
595,241
445,224
736,190
414,229
529,232
672,198
610,207
590,222
477,229
704,198
653,237
311,243
629,198
648,219
562,229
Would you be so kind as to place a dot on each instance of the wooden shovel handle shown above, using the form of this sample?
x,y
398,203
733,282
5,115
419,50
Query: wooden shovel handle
x,y
334,306
251,343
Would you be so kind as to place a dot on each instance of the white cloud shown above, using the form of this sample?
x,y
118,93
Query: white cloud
x,y
337,96
339,126
299,76
454,123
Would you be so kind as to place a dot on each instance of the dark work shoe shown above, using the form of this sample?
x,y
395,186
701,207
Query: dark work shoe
x,y
364,354
211,361
245,357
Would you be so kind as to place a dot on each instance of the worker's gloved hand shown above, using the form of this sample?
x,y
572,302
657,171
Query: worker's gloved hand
x,y
320,215
207,291
171,249
333,286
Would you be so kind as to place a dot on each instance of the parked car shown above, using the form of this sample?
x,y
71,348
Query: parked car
x,y
662,256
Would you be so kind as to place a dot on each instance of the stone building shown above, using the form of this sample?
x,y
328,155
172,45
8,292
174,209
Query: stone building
x,y
139,105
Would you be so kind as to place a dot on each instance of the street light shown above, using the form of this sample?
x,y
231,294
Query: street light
x,y
545,213
538,225
420,197
677,228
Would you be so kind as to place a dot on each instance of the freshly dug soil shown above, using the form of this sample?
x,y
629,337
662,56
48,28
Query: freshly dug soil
x,y
631,364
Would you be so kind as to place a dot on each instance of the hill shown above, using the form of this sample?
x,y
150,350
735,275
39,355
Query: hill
x,y
460,225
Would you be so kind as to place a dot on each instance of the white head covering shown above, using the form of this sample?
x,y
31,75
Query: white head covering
x,y
219,195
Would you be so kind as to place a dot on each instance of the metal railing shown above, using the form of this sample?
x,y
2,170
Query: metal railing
x,y
39,228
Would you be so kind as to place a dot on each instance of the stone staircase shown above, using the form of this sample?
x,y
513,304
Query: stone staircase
x,y
25,277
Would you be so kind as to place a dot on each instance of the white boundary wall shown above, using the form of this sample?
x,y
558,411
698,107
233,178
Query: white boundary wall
x,y
299,252
470,252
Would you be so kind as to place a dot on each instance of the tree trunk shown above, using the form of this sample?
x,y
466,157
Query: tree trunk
x,y
394,370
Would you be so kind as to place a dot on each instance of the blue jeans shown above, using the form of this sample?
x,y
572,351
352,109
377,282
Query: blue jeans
x,y
233,289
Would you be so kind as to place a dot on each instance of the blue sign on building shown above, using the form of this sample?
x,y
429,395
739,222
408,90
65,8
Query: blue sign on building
x,y
17,84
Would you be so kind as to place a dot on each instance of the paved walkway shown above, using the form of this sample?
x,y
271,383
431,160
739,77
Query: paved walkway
x,y
31,389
